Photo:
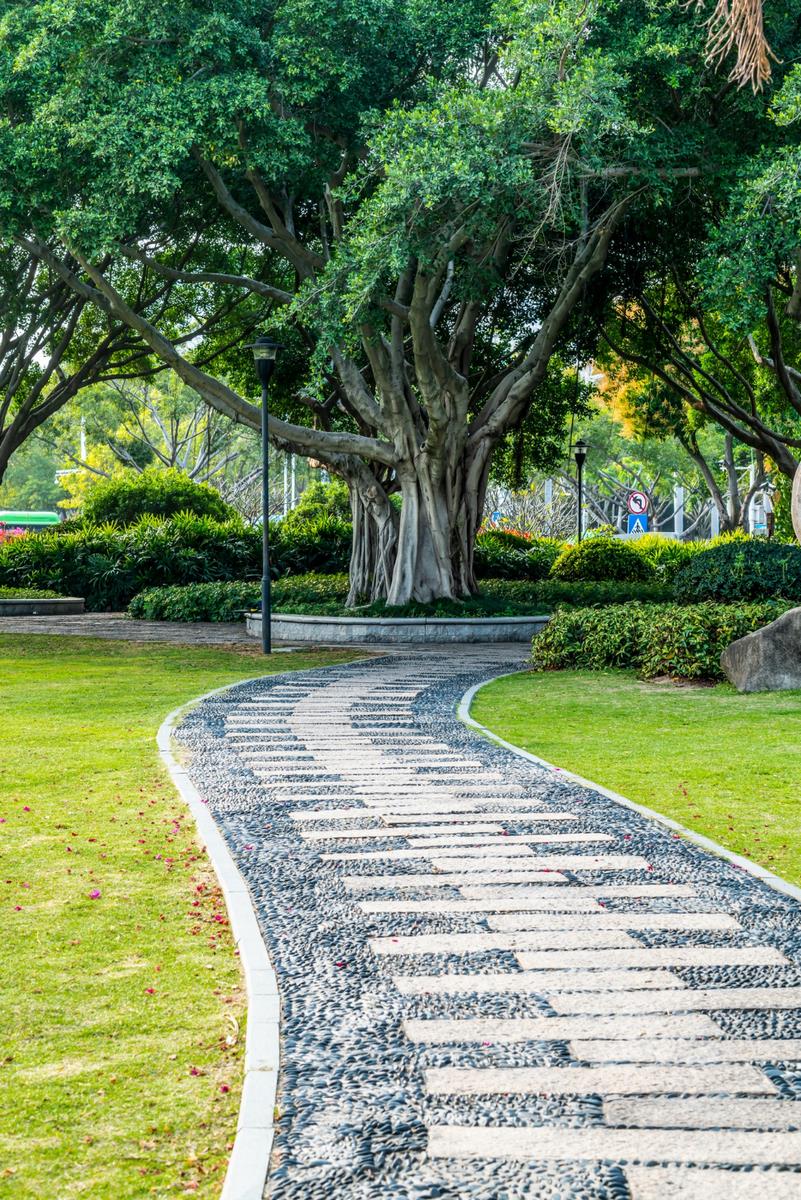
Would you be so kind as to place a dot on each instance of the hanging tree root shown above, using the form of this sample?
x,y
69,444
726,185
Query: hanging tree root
x,y
738,25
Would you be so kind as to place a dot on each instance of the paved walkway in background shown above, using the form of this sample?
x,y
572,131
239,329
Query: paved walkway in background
x,y
118,626
495,983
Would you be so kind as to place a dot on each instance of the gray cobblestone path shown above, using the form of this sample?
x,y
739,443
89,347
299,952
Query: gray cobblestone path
x,y
495,983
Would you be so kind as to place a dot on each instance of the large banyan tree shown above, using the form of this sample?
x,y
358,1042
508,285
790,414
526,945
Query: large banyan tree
x,y
415,197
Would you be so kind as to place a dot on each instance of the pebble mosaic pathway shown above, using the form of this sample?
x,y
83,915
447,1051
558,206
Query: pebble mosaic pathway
x,y
495,983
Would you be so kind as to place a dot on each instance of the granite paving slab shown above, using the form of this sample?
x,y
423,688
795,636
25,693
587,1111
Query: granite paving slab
x,y
477,1004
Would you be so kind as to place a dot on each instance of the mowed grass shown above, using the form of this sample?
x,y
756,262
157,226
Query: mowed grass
x,y
725,765
122,1008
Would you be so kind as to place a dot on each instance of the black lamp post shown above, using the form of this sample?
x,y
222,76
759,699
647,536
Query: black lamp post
x,y
580,455
265,351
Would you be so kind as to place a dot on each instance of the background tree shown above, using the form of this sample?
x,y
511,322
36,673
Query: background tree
x,y
31,481
137,425
422,211
53,343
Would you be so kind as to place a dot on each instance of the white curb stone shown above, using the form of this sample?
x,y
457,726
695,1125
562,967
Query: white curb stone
x,y
250,1158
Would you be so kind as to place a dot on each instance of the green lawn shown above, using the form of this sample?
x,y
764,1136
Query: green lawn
x,y
724,765
121,1010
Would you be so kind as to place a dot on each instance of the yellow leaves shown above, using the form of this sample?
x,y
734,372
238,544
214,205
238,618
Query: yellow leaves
x,y
619,386
77,481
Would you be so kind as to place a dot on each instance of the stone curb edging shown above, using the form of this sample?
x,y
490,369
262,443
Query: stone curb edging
x,y
248,1165
350,631
744,864
55,606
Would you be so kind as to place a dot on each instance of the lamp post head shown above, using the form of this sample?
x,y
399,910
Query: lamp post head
x,y
265,352
580,452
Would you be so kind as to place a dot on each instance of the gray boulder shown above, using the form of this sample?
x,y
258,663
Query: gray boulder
x,y
768,660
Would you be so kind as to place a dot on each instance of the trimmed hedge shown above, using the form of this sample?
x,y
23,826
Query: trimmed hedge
x,y
655,639
108,566
553,593
741,570
156,492
310,589
325,595
226,601
602,558
9,593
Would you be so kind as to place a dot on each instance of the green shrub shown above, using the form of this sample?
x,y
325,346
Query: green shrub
x,y
504,537
553,593
320,500
123,499
605,531
500,554
310,589
326,595
741,570
319,545
108,566
666,555
602,558
226,601
223,601
655,639
9,593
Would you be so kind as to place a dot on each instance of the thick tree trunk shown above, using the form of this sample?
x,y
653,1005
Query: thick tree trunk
x,y
440,517
374,546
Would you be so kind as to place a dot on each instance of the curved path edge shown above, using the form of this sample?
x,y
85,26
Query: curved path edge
x,y
249,1162
737,860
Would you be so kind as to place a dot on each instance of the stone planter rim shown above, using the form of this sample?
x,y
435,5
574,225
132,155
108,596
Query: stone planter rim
x,y
27,606
402,622
354,631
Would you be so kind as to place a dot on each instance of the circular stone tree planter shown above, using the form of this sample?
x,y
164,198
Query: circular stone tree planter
x,y
62,606
363,630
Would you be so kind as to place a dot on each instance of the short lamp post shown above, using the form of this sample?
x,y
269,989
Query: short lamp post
x,y
265,352
580,455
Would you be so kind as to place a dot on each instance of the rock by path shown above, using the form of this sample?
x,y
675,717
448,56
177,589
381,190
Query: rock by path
x,y
495,983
